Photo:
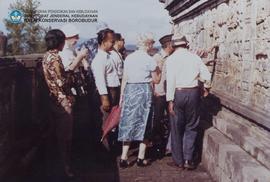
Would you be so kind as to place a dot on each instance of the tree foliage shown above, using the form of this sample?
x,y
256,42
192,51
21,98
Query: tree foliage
x,y
26,37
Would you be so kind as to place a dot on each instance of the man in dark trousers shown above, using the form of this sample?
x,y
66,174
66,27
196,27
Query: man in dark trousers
x,y
184,70
159,99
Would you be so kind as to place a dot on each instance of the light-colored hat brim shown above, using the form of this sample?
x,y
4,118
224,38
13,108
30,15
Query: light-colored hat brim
x,y
177,43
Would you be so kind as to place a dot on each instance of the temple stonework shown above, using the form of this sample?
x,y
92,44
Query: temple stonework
x,y
237,36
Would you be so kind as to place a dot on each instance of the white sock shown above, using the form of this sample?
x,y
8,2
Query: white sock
x,y
125,149
142,150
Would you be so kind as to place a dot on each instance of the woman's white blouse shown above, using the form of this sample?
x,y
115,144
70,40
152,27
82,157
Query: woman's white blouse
x,y
138,67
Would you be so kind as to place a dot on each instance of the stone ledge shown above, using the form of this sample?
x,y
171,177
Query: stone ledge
x,y
251,138
227,162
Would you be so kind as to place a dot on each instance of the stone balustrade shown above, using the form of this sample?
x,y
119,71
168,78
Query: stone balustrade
x,y
22,113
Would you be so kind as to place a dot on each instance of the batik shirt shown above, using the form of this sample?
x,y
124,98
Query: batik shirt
x,y
55,77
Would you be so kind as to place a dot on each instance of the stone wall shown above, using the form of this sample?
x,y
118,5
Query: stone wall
x,y
241,32
237,35
3,44
22,118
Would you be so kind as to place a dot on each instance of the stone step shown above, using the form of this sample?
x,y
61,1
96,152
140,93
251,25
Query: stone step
x,y
227,162
247,135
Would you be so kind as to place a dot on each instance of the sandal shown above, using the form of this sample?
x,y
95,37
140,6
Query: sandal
x,y
123,164
142,163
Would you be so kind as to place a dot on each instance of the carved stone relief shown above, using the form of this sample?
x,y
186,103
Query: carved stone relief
x,y
241,31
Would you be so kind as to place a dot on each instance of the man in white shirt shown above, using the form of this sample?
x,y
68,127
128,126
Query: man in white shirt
x,y
116,55
183,71
72,60
104,71
159,99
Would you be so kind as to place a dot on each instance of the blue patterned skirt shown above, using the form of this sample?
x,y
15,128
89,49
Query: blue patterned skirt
x,y
135,111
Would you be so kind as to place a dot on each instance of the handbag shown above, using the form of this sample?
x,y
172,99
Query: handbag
x,y
77,83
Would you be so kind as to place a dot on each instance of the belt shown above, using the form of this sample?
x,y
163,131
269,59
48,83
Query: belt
x,y
139,83
187,88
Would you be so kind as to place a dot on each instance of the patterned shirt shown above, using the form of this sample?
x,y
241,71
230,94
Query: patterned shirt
x,y
92,46
55,77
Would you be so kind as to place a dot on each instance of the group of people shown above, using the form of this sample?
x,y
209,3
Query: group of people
x,y
165,84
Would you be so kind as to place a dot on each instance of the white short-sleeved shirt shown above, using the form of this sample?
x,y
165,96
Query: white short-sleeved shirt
x,y
160,58
67,55
118,61
138,67
104,72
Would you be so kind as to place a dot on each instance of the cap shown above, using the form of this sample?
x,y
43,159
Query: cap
x,y
70,30
165,39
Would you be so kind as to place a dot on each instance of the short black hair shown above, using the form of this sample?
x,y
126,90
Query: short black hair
x,y
103,34
118,37
54,38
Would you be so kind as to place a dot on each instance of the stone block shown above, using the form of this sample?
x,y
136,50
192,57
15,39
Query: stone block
x,y
212,140
253,140
227,162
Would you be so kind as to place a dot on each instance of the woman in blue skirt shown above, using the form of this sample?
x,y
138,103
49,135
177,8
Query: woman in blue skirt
x,y
140,70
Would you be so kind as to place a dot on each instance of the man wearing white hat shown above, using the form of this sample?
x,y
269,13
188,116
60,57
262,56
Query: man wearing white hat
x,y
71,58
183,72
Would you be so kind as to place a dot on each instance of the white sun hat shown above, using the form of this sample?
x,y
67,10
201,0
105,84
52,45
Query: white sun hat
x,y
70,30
101,26
179,39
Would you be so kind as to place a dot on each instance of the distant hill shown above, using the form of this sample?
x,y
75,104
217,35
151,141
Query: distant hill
x,y
134,47
130,47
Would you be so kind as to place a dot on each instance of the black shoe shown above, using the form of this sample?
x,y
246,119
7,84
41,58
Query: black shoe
x,y
123,163
176,166
189,165
142,163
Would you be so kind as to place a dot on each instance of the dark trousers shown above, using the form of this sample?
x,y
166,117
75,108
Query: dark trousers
x,y
160,106
184,124
61,130
114,95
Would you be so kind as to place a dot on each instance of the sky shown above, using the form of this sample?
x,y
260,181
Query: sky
x,y
128,17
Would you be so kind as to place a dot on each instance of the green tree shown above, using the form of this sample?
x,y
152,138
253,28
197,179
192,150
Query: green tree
x,y
26,37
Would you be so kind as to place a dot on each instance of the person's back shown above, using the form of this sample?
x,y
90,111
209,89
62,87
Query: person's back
x,y
186,66
138,66
184,69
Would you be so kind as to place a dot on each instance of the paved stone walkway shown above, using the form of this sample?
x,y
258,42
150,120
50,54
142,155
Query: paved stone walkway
x,y
91,162
95,164
158,171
